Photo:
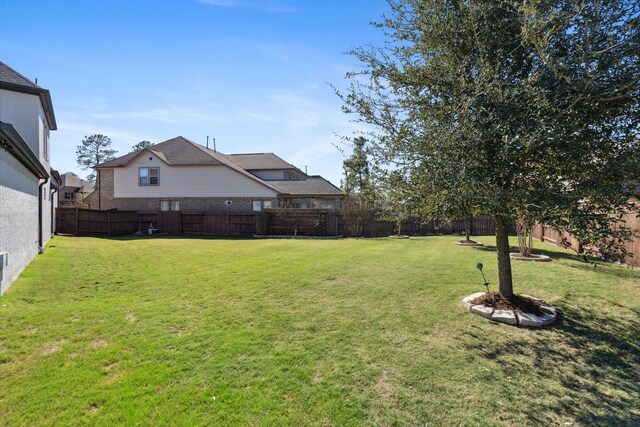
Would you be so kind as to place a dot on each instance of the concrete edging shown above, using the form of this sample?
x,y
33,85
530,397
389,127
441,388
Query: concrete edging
x,y
512,317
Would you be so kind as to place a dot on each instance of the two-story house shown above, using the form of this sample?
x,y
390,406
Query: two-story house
x,y
179,174
27,186
73,190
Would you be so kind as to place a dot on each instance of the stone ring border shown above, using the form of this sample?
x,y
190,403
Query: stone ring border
x,y
509,316
467,244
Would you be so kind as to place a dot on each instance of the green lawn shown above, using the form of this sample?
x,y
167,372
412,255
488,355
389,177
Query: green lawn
x,y
177,331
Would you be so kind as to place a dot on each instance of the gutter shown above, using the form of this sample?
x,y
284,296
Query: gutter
x,y
55,190
40,247
56,182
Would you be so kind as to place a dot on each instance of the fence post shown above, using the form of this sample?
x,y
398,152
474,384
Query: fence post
x,y
77,222
108,223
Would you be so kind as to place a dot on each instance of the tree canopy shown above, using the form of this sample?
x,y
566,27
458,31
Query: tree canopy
x,y
93,150
513,109
141,145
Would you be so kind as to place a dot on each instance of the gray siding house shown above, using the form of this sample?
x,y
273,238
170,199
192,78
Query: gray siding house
x,y
27,182
179,174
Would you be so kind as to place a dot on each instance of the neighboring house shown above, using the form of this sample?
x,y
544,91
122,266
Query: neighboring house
x,y
73,190
27,183
179,174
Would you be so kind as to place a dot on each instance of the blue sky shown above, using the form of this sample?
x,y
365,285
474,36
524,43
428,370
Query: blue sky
x,y
251,73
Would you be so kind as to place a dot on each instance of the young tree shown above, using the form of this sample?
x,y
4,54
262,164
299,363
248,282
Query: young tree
x,y
141,145
95,149
358,206
395,199
528,109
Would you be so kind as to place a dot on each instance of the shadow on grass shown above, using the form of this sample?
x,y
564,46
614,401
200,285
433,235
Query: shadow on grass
x,y
593,359
598,266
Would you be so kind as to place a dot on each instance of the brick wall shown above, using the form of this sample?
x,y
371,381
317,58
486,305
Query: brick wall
x,y
18,217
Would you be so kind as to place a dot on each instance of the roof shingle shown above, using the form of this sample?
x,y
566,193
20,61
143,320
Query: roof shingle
x,y
259,161
12,80
9,75
177,151
312,186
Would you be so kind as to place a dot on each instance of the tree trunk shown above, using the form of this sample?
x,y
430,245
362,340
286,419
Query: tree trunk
x,y
399,227
504,257
467,229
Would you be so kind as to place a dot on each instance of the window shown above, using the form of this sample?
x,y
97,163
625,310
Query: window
x,y
45,140
169,205
148,176
258,205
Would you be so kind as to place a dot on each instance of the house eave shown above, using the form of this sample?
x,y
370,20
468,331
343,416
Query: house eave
x,y
43,94
14,143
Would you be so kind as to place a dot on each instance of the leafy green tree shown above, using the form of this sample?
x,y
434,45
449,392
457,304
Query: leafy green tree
x,y
141,145
95,149
529,110
396,199
358,207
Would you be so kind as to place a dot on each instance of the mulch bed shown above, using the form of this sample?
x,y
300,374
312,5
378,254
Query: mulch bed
x,y
467,241
516,302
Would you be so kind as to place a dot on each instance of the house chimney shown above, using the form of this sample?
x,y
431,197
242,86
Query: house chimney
x,y
214,145
207,141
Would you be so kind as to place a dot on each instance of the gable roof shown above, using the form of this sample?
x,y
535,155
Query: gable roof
x,y
180,151
260,161
12,80
311,186
177,151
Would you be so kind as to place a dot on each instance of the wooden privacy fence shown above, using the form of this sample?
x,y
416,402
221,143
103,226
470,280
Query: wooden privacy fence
x,y
305,222
87,221
631,220
198,222
377,228
319,222
271,221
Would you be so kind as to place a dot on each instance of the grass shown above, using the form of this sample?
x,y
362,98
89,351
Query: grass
x,y
178,331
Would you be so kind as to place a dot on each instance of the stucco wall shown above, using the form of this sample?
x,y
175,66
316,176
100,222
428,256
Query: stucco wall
x,y
26,114
18,217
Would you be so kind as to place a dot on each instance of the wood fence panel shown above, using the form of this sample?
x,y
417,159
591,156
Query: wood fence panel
x,y
147,220
170,222
303,222
242,223
93,221
216,223
66,220
192,222
123,222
